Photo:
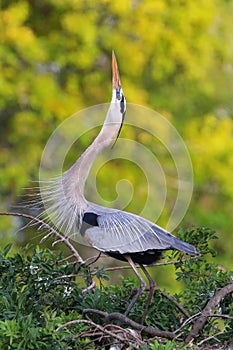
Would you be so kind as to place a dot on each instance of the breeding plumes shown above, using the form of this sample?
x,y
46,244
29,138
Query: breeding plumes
x,y
119,234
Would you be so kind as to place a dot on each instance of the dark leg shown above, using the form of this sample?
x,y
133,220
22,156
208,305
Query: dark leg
x,y
140,289
151,292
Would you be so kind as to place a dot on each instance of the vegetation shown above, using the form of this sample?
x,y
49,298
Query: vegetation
x,y
50,302
174,57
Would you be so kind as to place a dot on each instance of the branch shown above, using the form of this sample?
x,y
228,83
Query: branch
x,y
123,335
185,323
90,287
127,321
126,267
208,311
210,337
173,300
51,230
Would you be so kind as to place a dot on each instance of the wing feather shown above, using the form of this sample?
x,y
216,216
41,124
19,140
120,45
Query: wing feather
x,y
124,232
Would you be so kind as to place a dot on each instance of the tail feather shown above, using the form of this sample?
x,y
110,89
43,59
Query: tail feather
x,y
174,242
184,247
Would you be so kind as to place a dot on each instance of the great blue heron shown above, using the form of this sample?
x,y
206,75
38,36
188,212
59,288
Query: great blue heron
x,y
119,234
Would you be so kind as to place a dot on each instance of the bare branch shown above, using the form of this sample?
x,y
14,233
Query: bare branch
x,y
92,259
96,326
90,287
127,267
209,338
137,326
60,237
66,258
221,316
208,310
180,307
186,322
51,229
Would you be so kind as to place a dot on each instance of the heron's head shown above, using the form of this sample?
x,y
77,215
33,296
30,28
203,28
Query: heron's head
x,y
118,97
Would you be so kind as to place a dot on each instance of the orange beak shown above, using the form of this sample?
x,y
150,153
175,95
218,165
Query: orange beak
x,y
115,73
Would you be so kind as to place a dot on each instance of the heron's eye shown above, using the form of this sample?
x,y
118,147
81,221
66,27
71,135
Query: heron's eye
x,y
118,95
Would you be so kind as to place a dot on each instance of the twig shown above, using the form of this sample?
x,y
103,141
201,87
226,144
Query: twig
x,y
100,336
129,333
61,240
221,316
93,259
90,287
67,258
126,267
207,311
51,229
186,322
104,314
72,275
209,338
180,307
91,323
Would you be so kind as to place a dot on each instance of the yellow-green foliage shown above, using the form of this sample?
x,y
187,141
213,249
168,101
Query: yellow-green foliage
x,y
174,56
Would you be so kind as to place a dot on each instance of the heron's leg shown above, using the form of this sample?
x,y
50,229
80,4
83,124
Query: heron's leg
x,y
151,292
140,289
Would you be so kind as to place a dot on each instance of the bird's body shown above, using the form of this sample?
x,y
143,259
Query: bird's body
x,y
116,233
119,234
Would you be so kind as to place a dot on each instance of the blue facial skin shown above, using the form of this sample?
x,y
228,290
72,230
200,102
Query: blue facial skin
x,y
118,95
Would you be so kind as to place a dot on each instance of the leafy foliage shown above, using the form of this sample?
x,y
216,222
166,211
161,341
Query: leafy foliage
x,y
175,57
202,277
40,291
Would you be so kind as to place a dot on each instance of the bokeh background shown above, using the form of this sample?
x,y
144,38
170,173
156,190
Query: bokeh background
x,y
175,57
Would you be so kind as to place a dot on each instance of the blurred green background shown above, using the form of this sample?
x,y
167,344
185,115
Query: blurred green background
x,y
174,56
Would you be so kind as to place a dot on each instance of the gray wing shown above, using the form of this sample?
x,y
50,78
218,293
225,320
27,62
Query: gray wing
x,y
123,232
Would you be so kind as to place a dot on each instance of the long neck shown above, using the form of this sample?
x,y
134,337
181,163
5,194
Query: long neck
x,y
78,173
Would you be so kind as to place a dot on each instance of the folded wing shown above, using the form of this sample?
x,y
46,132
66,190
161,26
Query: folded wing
x,y
123,232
